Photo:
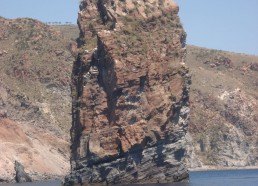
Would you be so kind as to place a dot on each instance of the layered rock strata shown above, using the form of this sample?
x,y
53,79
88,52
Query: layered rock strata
x,y
130,94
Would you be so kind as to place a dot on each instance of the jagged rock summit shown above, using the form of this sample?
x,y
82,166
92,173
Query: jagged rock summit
x,y
130,94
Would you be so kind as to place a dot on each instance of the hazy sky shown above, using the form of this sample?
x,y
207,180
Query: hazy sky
x,y
220,24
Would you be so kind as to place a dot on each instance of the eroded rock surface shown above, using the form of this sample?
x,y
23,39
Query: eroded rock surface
x,y
130,94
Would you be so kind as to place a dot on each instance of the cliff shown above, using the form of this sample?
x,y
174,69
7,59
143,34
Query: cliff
x,y
130,91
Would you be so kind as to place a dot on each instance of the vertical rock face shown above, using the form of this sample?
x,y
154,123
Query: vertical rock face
x,y
130,94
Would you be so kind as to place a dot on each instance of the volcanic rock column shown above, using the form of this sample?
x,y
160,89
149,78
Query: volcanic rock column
x,y
130,94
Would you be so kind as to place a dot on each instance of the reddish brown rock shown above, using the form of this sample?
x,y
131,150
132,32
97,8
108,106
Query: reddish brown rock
x,y
130,94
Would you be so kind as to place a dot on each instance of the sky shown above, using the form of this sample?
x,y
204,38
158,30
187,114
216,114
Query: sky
x,y
229,25
43,10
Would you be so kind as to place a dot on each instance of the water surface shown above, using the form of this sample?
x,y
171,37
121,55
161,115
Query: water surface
x,y
197,178
218,178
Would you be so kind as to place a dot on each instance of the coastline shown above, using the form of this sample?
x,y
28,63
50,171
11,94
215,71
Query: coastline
x,y
214,168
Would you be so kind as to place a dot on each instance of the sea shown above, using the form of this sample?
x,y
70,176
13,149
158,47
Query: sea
x,y
245,177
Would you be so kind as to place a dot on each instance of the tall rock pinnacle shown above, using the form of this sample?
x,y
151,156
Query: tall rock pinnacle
x,y
130,94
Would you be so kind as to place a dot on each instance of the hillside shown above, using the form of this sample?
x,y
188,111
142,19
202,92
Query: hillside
x,y
224,108
35,105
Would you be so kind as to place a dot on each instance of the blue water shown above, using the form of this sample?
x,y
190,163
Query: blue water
x,y
197,178
224,178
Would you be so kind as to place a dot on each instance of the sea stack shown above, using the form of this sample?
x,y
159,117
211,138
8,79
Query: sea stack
x,y
130,90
